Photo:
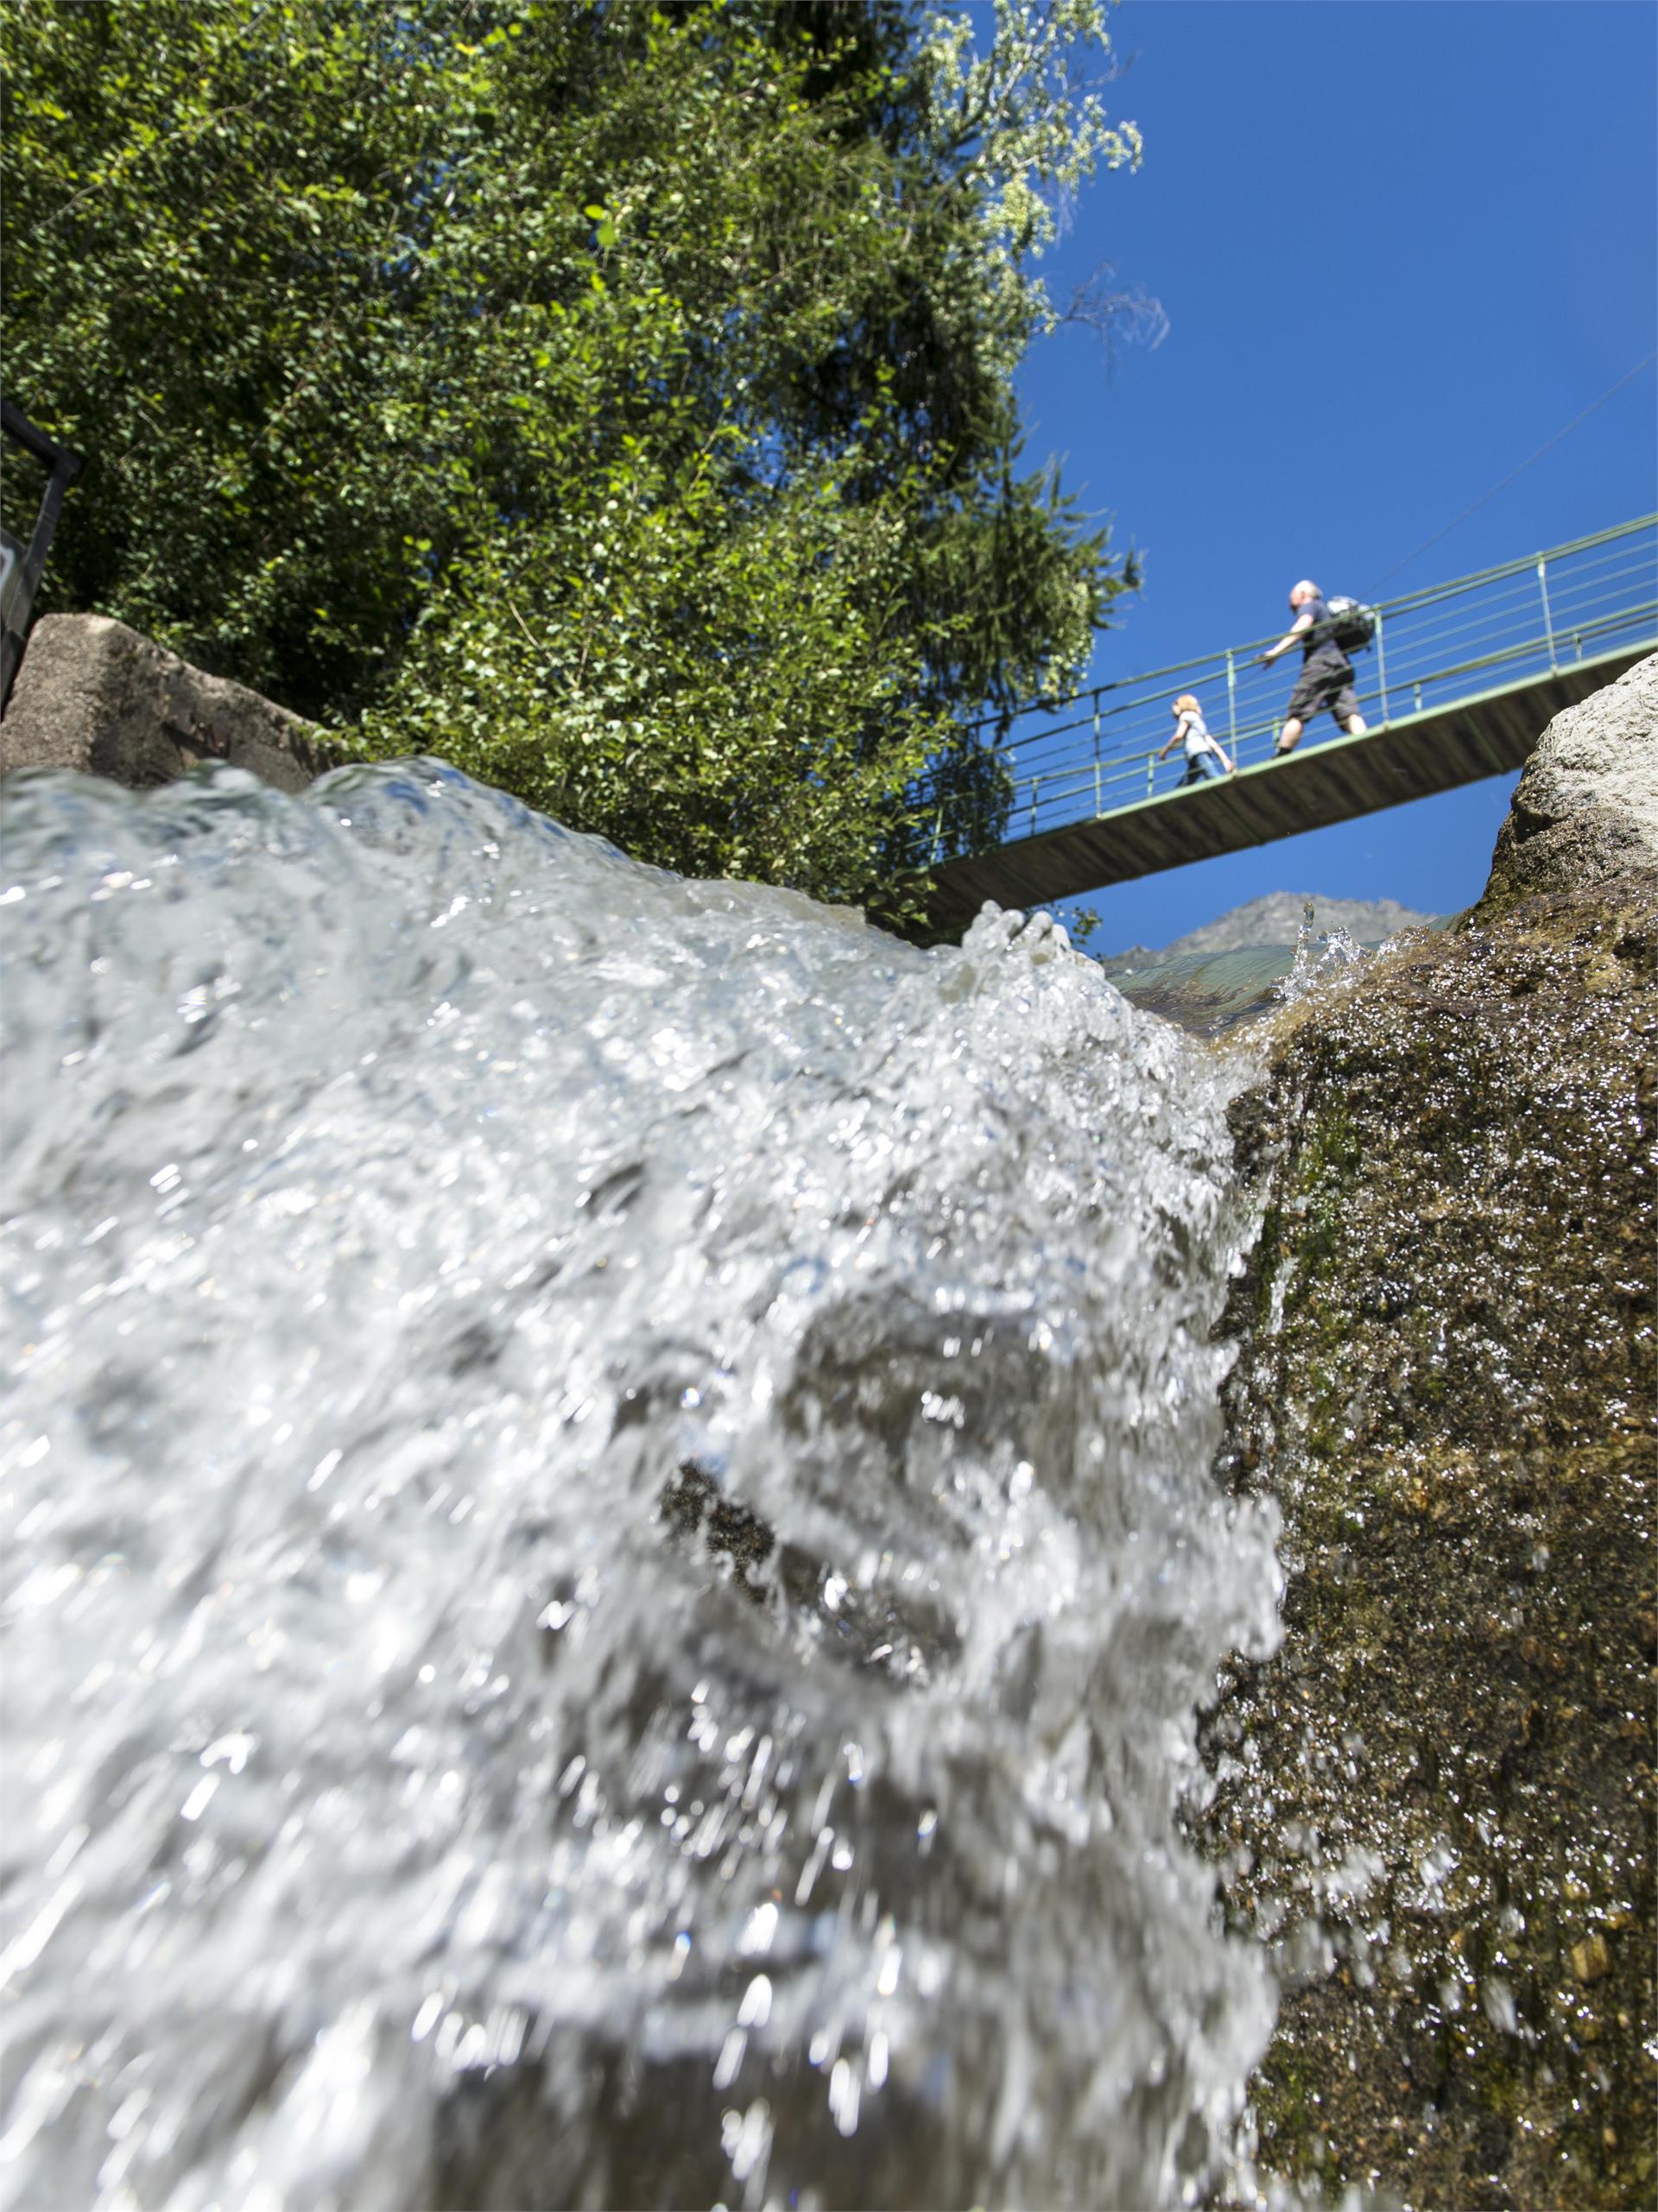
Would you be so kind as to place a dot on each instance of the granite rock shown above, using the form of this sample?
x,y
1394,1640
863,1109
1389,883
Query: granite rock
x,y
1586,810
1437,1801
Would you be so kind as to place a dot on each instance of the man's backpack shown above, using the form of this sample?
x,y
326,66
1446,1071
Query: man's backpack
x,y
1351,624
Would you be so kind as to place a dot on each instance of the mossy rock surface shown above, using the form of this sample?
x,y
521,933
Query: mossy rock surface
x,y
1437,1800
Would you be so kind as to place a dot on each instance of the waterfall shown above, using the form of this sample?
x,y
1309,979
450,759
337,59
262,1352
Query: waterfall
x,y
609,1541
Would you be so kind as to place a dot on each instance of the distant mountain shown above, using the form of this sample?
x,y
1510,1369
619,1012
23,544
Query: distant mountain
x,y
1277,920
1228,970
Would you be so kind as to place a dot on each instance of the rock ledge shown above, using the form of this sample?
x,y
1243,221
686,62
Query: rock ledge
x,y
95,696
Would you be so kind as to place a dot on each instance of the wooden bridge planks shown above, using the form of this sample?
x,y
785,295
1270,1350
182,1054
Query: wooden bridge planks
x,y
1438,750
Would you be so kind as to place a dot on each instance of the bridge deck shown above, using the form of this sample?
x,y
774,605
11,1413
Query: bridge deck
x,y
1411,757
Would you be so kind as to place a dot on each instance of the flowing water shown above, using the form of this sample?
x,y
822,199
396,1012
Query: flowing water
x,y
610,1545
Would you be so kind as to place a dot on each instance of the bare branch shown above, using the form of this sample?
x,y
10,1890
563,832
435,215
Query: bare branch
x,y
1115,313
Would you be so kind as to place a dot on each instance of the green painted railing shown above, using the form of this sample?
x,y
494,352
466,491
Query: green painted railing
x,y
1097,753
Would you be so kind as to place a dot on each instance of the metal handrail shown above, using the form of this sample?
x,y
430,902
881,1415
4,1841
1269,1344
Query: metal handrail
x,y
1577,621
1426,594
1060,782
1542,606
1138,684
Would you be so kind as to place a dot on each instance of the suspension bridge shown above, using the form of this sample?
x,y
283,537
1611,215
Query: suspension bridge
x,y
1458,685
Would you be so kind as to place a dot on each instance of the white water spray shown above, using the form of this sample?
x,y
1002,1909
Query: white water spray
x,y
608,1539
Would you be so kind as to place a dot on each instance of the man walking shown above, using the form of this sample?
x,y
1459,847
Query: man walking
x,y
1326,677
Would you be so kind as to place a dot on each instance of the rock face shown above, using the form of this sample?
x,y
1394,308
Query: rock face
x,y
1437,1798
94,696
1586,808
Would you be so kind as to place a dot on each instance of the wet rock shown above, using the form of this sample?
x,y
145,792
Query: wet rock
x,y
94,696
1592,1960
1440,1793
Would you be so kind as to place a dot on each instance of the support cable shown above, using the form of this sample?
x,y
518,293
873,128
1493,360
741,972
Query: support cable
x,y
1548,447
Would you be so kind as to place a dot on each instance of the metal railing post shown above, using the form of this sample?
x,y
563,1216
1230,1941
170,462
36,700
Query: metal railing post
x,y
1382,664
1549,621
1231,702
1035,786
21,567
1151,773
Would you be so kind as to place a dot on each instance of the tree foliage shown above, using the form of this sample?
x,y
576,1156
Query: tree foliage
x,y
615,399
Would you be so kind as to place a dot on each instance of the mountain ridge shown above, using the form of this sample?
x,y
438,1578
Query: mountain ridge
x,y
1277,920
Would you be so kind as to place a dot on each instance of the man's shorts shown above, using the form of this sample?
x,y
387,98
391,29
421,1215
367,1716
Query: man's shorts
x,y
1325,680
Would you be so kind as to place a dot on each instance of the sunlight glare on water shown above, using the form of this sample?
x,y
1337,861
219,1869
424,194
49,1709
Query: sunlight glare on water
x,y
609,1536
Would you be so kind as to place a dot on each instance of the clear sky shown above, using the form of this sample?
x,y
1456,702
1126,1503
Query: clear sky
x,y
1400,243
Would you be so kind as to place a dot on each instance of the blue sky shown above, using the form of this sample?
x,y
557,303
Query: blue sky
x,y
1399,246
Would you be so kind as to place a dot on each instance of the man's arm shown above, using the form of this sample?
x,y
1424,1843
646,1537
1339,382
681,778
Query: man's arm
x,y
1302,623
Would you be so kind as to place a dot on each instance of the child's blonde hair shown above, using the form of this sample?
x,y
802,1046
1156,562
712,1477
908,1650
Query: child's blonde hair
x,y
1186,704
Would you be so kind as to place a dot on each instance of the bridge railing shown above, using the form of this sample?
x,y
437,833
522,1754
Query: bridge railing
x,y
1097,753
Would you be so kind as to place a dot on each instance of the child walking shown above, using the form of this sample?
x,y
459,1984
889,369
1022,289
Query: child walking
x,y
1203,758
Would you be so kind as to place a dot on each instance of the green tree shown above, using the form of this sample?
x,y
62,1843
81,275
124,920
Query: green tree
x,y
616,399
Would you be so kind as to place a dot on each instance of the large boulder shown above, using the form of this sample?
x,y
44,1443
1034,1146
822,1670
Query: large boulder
x,y
94,696
1586,810
1436,1800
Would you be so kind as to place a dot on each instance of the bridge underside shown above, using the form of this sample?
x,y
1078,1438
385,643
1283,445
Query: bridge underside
x,y
1320,783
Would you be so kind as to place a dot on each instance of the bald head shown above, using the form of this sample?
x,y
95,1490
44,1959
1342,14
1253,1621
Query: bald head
x,y
1301,592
